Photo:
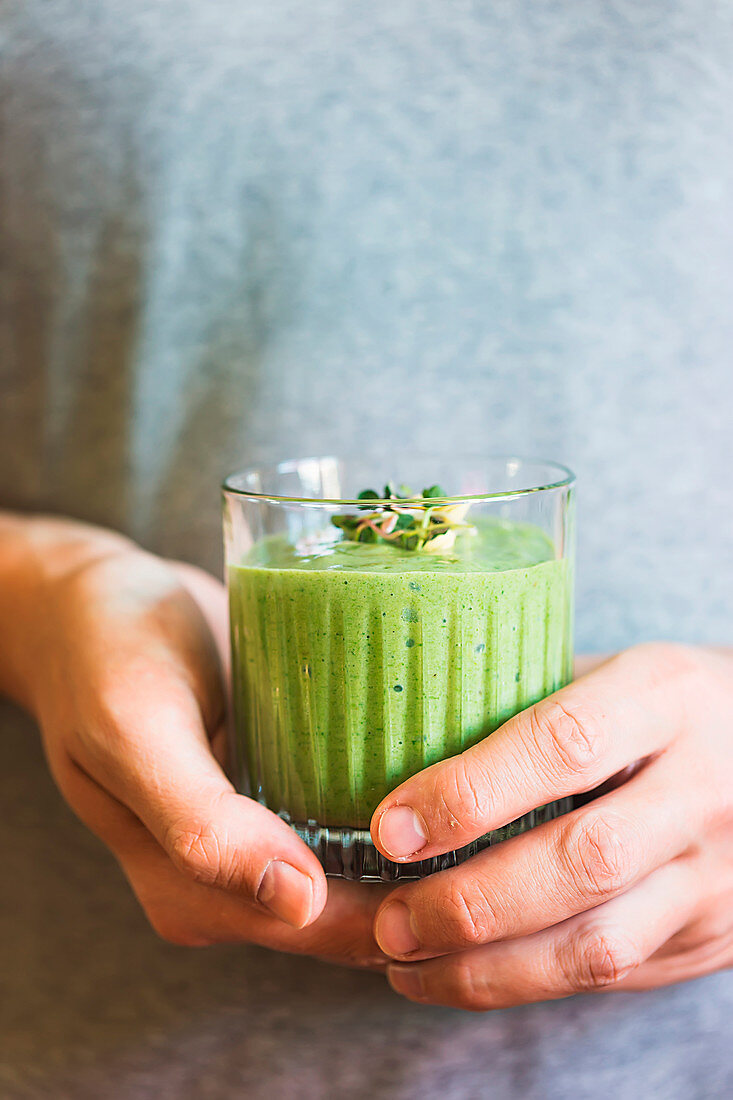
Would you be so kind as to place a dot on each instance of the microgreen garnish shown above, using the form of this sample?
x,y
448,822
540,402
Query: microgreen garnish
x,y
407,521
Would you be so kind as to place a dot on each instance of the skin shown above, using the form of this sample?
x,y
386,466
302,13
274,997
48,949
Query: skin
x,y
121,658
631,891
125,671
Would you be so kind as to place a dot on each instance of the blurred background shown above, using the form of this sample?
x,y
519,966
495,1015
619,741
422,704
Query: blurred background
x,y
232,232
239,232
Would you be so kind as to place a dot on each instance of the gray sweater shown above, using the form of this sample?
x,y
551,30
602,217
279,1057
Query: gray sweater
x,y
233,231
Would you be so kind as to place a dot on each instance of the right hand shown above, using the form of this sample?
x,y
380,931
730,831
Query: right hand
x,y
125,673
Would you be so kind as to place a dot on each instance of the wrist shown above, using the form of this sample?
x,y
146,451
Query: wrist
x,y
36,553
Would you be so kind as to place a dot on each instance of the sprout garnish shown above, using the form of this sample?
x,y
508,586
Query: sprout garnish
x,y
409,522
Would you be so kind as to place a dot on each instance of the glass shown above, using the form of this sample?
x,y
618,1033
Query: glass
x,y
365,648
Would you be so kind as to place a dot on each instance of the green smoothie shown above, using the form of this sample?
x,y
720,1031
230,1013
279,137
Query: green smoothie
x,y
358,664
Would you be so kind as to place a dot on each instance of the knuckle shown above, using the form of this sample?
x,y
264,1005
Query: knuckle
x,y
467,991
102,740
462,794
467,916
600,852
199,852
566,741
597,958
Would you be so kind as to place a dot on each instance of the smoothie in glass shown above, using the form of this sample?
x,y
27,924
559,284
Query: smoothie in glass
x,y
358,662
359,665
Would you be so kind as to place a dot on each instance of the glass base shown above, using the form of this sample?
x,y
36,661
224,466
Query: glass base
x,y
350,853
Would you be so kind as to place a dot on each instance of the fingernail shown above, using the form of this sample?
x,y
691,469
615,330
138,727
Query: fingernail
x,y
286,892
406,980
402,832
394,932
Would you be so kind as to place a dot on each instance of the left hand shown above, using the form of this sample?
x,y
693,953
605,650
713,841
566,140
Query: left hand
x,y
631,891
121,658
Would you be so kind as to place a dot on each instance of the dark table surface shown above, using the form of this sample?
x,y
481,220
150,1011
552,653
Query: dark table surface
x,y
93,1005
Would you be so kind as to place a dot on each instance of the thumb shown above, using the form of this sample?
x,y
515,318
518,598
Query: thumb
x,y
155,757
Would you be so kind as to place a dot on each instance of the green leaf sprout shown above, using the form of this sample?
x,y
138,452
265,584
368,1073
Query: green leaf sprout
x,y
405,520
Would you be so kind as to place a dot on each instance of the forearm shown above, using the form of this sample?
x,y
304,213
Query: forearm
x,y
35,551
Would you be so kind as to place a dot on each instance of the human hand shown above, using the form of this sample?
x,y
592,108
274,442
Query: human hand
x,y
631,891
124,671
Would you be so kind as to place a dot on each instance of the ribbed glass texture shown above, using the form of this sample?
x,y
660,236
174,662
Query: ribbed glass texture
x,y
349,680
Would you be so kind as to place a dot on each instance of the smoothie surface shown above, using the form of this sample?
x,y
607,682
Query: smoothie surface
x,y
496,546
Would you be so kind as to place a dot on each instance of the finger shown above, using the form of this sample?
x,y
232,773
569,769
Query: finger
x,y
151,751
192,913
545,875
568,743
705,944
597,951
211,596
138,686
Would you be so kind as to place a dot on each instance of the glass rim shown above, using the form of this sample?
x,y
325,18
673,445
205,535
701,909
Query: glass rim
x,y
566,479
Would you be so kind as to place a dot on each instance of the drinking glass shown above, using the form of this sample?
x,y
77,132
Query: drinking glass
x,y
357,660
